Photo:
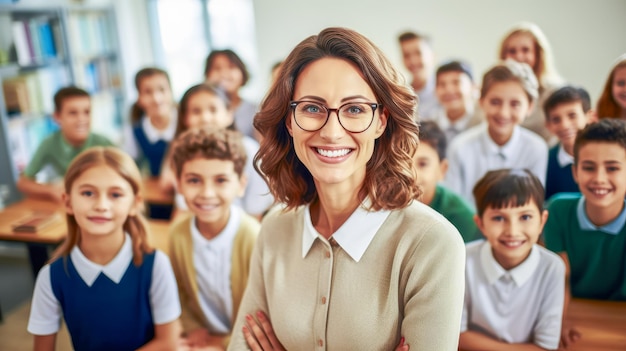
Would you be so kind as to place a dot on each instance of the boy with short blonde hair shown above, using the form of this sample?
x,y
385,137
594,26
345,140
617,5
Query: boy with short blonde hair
x,y
210,249
514,287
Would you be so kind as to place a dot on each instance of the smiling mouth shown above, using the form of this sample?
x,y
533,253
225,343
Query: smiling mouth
x,y
206,207
333,153
600,192
98,219
512,243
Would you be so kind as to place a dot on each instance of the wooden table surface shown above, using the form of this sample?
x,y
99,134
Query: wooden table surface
x,y
56,231
153,193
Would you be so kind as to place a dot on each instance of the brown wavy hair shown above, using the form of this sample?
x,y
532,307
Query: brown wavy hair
x,y
211,144
124,165
183,109
544,69
390,173
607,107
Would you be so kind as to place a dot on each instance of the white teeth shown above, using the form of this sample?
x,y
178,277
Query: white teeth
x,y
600,191
206,207
512,243
333,153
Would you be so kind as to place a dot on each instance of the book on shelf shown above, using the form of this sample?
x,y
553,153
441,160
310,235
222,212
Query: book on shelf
x,y
33,92
35,40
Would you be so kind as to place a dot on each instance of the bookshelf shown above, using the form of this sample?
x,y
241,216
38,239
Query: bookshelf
x,y
41,50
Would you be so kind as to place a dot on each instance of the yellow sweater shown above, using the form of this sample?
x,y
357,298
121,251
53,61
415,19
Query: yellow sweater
x,y
181,256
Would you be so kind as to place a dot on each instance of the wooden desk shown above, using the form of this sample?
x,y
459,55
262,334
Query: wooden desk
x,y
602,324
56,232
153,194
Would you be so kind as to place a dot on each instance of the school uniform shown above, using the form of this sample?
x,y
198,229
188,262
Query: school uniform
x,y
427,103
521,305
244,116
596,254
559,177
473,153
382,275
457,211
452,129
110,307
149,145
212,274
54,155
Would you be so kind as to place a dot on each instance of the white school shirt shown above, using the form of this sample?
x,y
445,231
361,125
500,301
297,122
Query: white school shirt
x,y
46,313
152,134
451,130
473,153
563,158
427,103
522,305
212,262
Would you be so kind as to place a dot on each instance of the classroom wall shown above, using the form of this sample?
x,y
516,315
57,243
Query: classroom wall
x,y
587,36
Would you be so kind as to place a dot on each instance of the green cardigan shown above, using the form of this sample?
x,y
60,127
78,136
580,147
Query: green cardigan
x,y
181,256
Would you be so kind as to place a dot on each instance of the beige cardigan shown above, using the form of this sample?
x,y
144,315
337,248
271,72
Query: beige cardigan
x,y
409,282
181,256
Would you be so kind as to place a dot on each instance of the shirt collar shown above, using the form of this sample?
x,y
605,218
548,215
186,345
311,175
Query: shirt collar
x,y
520,274
507,150
613,227
154,134
89,271
563,158
354,236
460,124
221,240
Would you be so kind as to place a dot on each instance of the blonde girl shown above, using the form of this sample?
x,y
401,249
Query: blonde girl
x,y
152,119
612,102
525,42
114,291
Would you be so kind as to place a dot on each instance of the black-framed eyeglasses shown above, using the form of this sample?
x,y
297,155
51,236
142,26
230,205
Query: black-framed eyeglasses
x,y
354,117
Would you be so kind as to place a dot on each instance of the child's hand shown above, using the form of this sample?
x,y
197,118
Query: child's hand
x,y
199,337
260,334
569,336
56,192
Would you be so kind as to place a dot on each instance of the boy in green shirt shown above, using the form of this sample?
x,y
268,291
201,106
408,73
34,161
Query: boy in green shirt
x,y
44,173
588,230
432,165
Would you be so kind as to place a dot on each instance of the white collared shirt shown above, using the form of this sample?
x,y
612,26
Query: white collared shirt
x,y
473,153
212,262
521,305
452,129
354,236
563,158
152,134
45,314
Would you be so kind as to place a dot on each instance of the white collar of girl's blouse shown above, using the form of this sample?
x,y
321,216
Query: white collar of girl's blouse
x,y
89,271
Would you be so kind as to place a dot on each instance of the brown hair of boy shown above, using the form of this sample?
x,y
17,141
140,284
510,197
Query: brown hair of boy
x,y
390,173
567,94
209,143
507,187
136,111
431,134
606,130
66,93
511,71
126,167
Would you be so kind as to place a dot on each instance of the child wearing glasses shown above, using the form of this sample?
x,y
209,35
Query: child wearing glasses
x,y
353,261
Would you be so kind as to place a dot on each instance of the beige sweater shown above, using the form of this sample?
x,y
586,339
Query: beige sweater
x,y
181,256
409,282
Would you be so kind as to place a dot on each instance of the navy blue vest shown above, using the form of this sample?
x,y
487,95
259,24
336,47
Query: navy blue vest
x,y
105,316
559,180
153,153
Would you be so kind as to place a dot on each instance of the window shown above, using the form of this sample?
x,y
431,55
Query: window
x,y
185,31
